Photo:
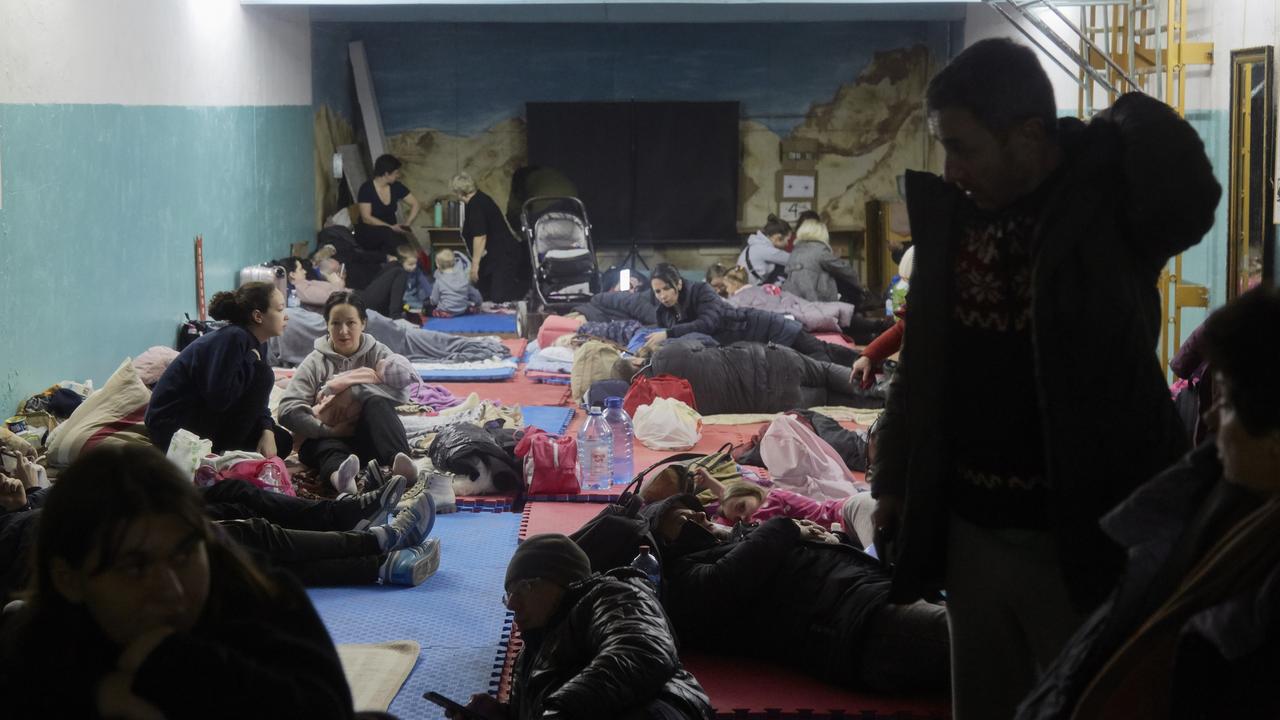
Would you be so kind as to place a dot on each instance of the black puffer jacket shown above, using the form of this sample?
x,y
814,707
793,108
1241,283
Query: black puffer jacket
x,y
607,652
1136,188
456,446
607,306
749,377
769,594
700,310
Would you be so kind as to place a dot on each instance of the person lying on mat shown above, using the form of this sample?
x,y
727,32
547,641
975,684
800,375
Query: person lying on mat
x,y
742,501
219,386
685,308
750,377
1191,628
452,294
595,646
140,609
814,316
829,599
342,399
616,305
347,541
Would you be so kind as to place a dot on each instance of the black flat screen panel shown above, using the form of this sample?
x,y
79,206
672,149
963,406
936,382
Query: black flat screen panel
x,y
652,172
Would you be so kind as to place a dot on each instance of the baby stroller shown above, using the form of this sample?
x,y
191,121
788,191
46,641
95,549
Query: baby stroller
x,y
560,249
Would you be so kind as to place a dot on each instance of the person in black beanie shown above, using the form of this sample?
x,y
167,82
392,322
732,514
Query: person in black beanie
x,y
594,645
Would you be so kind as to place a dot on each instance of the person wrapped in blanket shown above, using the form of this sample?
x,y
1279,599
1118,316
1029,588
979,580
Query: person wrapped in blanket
x,y
219,386
139,609
684,308
342,399
1190,630
827,602
373,537
595,645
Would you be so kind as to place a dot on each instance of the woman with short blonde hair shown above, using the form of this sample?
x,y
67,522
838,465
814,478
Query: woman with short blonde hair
x,y
499,262
815,273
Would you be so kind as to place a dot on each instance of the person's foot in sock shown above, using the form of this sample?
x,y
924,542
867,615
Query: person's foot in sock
x,y
344,478
374,506
410,525
403,465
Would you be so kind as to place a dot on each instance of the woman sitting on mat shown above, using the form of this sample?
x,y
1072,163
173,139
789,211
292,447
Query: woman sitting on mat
x,y
378,229
685,308
139,609
219,386
343,397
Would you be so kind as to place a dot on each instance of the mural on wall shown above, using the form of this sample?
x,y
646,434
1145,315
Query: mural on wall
x,y
452,97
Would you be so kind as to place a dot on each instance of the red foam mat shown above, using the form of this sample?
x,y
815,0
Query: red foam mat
x,y
746,688
555,517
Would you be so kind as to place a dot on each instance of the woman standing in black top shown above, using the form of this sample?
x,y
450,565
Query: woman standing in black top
x,y
499,262
378,199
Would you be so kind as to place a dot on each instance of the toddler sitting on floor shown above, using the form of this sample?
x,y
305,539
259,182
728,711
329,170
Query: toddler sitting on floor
x,y
452,293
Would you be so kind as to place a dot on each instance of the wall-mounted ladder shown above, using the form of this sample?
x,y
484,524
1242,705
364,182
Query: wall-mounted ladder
x,y
1113,47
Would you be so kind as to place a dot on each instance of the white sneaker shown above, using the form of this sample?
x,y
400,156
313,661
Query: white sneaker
x,y
440,486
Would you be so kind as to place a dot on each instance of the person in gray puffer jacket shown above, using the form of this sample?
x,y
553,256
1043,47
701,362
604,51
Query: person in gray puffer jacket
x,y
595,645
814,272
452,293
338,450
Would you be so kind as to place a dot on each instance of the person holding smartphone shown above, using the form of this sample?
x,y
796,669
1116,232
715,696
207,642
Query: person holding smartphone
x,y
595,645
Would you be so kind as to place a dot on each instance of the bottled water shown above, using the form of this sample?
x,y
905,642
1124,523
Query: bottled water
x,y
623,440
595,453
646,563
292,300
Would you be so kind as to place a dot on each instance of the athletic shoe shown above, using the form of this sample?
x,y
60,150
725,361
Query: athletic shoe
x,y
440,486
411,525
375,505
373,477
412,565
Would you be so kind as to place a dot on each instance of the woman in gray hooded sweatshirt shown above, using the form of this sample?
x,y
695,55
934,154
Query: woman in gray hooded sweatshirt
x,y
366,381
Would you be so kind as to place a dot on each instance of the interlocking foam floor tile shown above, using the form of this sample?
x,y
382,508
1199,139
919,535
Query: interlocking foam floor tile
x,y
456,615
553,419
475,324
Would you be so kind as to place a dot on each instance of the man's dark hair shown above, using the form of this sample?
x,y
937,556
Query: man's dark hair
x,y
1242,340
1000,82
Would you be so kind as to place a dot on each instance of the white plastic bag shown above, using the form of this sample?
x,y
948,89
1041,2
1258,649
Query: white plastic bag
x,y
667,424
186,450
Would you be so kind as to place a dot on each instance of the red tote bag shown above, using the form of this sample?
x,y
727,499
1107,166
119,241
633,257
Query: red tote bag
x,y
644,389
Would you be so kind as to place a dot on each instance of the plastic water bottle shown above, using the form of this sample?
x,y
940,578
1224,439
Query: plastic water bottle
x,y
646,563
292,300
595,452
623,440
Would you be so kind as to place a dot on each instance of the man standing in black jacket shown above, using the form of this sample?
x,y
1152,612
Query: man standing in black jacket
x,y
1029,401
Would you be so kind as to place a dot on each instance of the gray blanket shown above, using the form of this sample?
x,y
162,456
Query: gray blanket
x,y
403,337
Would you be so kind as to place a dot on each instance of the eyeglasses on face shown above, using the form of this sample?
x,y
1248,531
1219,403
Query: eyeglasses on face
x,y
518,588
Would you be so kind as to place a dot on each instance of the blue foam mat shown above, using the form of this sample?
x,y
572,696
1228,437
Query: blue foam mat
x,y
551,418
469,374
477,323
456,615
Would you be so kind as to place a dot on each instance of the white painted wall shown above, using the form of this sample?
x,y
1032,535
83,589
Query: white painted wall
x,y
153,52
982,23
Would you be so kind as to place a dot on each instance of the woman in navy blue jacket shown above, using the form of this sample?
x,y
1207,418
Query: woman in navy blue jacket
x,y
218,387
685,308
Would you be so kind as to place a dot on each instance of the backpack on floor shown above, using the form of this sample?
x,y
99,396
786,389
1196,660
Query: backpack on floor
x,y
613,537
191,330
550,462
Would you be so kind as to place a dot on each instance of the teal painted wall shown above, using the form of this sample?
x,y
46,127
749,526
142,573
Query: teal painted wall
x,y
100,207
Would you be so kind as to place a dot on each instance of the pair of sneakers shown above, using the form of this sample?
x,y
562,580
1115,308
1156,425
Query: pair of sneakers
x,y
412,556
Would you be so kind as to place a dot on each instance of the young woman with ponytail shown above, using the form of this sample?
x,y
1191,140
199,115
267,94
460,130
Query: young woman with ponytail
x,y
218,387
